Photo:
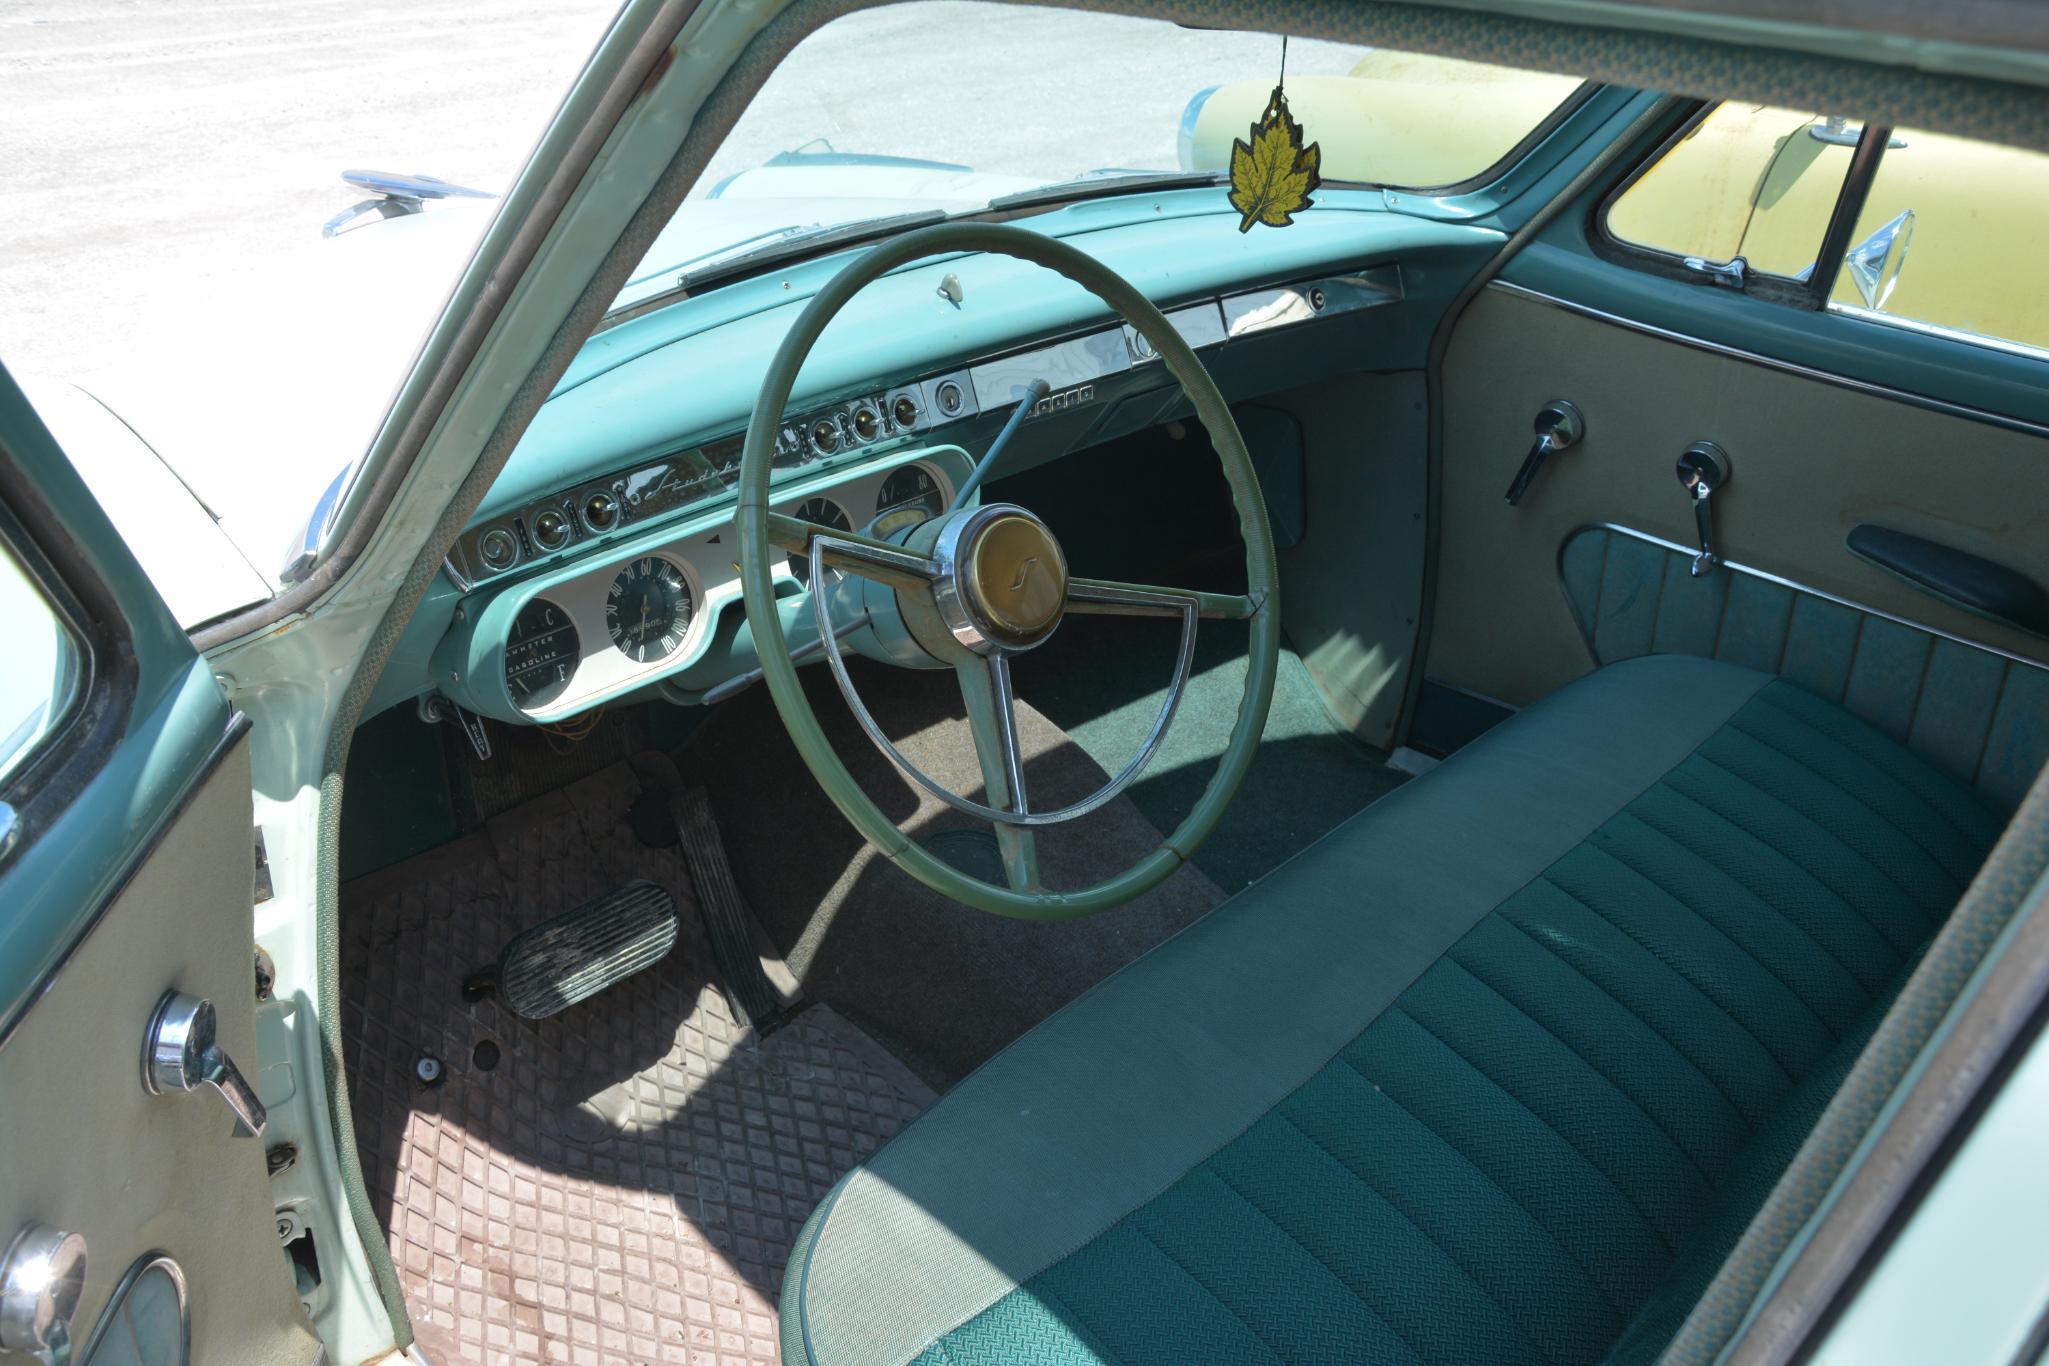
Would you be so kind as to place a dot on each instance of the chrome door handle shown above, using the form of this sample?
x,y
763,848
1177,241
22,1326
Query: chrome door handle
x,y
1558,427
180,1053
41,1281
1703,471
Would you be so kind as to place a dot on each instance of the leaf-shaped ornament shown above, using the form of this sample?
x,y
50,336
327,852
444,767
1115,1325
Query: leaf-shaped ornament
x,y
1272,173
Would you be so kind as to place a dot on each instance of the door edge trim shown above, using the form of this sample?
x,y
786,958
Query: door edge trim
x,y
1862,386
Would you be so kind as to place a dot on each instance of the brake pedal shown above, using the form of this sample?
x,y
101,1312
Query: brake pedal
x,y
727,921
574,956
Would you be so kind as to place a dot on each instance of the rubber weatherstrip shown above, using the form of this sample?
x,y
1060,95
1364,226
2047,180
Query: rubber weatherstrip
x,y
1627,142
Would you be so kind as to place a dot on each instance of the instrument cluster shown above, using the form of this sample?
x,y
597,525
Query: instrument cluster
x,y
628,621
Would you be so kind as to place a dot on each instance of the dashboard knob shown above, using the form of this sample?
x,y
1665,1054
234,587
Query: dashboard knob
x,y
600,512
551,530
497,548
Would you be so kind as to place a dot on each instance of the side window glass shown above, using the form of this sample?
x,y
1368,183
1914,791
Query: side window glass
x,y
1748,181
1951,236
41,680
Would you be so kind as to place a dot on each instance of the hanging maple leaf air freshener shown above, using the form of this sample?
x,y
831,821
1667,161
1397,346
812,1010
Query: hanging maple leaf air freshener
x,y
1272,173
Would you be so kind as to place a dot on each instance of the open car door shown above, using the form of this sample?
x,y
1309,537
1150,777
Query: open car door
x,y
135,1217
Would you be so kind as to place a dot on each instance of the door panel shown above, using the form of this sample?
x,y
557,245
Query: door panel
x,y
90,1151
1811,460
126,871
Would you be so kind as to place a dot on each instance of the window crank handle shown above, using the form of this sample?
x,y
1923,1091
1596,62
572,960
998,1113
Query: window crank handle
x,y
1703,470
1558,428
181,1053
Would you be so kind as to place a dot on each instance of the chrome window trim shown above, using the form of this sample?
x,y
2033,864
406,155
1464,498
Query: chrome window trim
x,y
1782,581
1863,386
149,1261
1949,334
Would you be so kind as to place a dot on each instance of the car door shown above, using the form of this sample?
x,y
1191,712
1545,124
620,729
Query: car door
x,y
135,1216
1876,529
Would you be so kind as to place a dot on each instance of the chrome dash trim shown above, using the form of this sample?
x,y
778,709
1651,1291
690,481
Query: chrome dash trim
x,y
1782,581
1862,386
1262,310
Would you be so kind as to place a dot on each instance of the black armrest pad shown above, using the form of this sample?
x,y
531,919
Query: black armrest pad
x,y
1970,581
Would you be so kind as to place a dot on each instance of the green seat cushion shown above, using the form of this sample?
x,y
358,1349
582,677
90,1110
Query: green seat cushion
x,y
1532,1037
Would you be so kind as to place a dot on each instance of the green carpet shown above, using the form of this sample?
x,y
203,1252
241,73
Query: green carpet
x,y
1102,680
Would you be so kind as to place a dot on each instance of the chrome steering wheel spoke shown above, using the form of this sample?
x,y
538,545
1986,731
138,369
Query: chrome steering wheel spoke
x,y
1109,598
992,720
856,554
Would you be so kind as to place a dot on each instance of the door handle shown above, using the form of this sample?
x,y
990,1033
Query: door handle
x,y
180,1053
1558,427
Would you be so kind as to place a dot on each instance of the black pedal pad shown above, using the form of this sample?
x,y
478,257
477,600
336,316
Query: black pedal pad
x,y
727,921
579,953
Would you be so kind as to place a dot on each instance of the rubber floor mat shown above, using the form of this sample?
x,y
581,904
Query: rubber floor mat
x,y
619,1182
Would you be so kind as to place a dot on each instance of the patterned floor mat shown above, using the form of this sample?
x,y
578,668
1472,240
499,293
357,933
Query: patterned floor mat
x,y
619,1182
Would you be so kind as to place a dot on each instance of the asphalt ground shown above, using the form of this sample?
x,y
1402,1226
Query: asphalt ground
x,y
151,150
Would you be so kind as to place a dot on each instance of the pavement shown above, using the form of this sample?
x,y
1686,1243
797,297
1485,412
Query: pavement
x,y
151,150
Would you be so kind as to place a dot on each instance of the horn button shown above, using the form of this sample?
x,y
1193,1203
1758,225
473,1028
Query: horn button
x,y
1004,585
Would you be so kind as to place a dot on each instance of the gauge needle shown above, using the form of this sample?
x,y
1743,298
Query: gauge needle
x,y
643,616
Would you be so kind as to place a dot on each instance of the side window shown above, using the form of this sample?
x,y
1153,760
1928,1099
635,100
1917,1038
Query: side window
x,y
41,680
1951,236
1747,182
1946,237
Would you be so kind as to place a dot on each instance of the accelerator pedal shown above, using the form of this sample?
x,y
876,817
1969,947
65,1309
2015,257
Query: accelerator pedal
x,y
579,953
727,921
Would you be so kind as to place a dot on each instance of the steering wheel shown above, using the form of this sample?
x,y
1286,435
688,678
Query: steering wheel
x,y
977,585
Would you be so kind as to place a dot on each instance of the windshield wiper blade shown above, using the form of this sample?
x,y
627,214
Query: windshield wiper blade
x,y
806,244
1094,186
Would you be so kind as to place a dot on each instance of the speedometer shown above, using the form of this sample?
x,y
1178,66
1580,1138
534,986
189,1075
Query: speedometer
x,y
540,654
826,513
909,496
648,609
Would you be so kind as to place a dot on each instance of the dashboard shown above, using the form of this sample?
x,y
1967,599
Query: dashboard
x,y
601,566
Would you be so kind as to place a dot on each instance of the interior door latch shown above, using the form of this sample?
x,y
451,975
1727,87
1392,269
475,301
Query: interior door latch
x,y
1559,427
1703,472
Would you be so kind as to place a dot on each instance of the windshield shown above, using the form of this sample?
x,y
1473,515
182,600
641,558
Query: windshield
x,y
1016,105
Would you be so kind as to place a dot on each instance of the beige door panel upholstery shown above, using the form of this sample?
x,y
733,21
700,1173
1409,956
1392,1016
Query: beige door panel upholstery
x,y
89,1151
1811,460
